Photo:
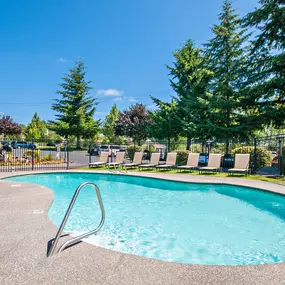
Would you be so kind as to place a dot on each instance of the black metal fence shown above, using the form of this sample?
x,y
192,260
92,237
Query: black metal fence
x,y
266,153
40,155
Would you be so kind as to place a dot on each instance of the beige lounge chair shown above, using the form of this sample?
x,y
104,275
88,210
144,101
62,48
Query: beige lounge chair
x,y
154,161
102,160
241,164
192,162
170,161
214,163
120,156
136,161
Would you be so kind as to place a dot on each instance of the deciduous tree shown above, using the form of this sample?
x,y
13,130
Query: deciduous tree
x,y
133,123
108,129
9,127
36,129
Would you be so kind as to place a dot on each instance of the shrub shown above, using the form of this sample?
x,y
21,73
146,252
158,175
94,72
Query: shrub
x,y
29,153
47,157
263,157
132,149
182,157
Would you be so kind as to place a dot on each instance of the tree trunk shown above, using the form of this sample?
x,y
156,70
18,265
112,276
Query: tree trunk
x,y
168,144
188,145
78,142
227,146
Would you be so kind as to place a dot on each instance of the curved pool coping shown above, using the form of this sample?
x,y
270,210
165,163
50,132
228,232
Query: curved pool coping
x,y
89,263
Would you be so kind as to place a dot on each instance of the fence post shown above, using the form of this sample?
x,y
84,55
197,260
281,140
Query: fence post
x,y
90,151
280,158
209,147
67,155
254,155
33,155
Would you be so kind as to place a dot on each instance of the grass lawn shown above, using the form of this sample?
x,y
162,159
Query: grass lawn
x,y
280,180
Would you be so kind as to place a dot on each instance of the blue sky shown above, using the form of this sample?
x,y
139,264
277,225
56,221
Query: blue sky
x,y
125,45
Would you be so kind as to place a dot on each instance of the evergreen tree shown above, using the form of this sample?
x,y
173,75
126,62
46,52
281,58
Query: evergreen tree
x,y
36,129
266,86
165,121
108,129
190,80
227,58
75,110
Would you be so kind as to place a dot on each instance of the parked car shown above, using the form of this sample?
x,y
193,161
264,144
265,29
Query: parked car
x,y
228,161
51,144
7,147
203,158
94,151
112,149
23,144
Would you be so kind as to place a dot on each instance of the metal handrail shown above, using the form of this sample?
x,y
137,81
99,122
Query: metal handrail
x,y
78,238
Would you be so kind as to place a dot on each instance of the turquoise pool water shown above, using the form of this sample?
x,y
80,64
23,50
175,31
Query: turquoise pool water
x,y
173,221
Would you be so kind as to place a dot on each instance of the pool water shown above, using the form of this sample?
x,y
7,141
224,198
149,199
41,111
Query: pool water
x,y
173,221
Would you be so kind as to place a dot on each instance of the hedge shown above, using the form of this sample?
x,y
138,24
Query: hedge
x,y
263,157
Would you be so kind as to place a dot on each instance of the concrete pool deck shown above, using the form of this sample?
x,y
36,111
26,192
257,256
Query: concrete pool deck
x,y
25,230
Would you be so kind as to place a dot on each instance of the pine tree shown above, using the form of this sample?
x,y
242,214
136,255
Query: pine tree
x,y
108,129
165,121
190,80
227,57
36,129
266,86
75,110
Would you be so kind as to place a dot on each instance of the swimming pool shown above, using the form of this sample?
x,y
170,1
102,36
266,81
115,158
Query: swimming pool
x,y
173,221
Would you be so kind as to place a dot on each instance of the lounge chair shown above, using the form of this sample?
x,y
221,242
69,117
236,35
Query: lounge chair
x,y
192,162
170,161
120,156
214,163
241,164
154,161
136,161
102,160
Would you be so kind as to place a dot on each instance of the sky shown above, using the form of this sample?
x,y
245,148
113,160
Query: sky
x,y
125,45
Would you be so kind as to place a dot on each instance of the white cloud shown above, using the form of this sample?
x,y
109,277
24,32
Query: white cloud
x,y
61,59
110,92
132,99
118,99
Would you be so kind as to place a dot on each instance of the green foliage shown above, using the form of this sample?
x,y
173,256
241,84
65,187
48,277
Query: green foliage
x,y
190,79
263,157
47,157
36,129
75,109
108,129
227,58
29,153
133,122
182,157
165,120
132,149
266,91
